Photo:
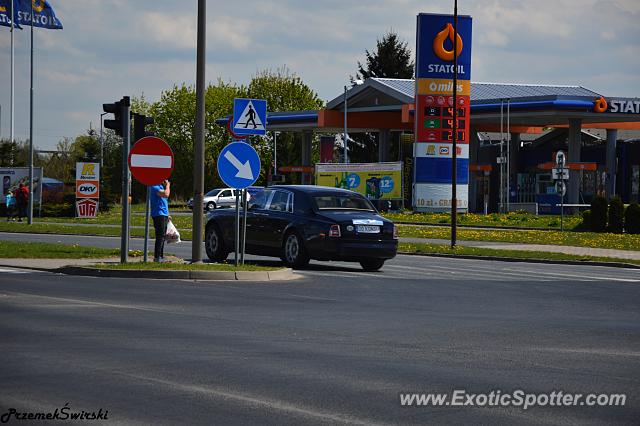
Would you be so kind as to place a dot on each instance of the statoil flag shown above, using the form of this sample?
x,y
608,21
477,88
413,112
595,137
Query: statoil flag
x,y
435,110
43,14
5,14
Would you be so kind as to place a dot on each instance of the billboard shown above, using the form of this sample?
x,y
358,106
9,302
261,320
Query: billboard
x,y
436,128
13,176
376,181
87,189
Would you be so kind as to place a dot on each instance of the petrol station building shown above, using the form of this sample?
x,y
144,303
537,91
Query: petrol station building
x,y
506,136
599,134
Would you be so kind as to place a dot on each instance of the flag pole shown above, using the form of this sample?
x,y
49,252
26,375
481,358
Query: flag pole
x,y
30,217
12,78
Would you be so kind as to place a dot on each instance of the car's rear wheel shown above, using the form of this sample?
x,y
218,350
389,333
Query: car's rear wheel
x,y
371,264
294,253
214,245
211,206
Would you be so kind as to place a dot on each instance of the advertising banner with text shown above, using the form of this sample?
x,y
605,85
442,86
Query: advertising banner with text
x,y
376,181
12,177
435,107
87,189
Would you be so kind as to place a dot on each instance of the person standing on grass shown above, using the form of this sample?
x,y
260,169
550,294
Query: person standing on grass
x,y
159,200
10,201
22,200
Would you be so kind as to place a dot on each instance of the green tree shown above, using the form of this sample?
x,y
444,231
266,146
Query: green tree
x,y
8,153
61,164
283,91
174,121
391,59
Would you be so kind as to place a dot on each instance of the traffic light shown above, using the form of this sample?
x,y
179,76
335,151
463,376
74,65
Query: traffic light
x,y
116,109
140,122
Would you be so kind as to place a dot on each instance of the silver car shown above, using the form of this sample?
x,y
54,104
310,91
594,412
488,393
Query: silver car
x,y
219,197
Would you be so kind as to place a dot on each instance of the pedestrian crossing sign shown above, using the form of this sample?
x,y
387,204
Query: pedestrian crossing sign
x,y
249,117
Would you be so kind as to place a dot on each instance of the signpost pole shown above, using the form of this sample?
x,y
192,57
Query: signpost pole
x,y
237,229
562,207
244,223
146,227
501,158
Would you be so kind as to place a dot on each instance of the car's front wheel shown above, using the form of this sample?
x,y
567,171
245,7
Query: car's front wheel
x,y
211,206
371,264
214,245
294,253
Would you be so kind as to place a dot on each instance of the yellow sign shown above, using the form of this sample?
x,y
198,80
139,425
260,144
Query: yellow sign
x,y
443,86
376,181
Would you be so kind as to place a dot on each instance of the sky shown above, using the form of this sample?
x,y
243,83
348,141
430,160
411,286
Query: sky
x,y
112,48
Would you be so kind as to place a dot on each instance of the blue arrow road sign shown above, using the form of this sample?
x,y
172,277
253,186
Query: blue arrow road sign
x,y
239,165
249,117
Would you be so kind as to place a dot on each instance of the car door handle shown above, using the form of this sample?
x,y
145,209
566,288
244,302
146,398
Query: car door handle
x,y
260,214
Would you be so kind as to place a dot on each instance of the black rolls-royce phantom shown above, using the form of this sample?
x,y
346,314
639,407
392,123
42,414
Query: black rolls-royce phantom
x,y
302,222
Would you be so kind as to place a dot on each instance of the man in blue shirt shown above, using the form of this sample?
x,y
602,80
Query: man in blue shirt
x,y
159,200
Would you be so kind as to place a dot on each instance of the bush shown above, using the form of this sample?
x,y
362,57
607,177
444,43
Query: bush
x,y
632,219
616,215
586,220
598,222
59,210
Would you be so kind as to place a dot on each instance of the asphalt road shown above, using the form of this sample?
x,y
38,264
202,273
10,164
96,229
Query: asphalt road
x,y
335,347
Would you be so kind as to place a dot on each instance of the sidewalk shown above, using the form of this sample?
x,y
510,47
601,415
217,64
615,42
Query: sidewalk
x,y
52,264
580,251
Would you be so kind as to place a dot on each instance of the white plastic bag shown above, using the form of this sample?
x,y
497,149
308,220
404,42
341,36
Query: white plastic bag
x,y
172,235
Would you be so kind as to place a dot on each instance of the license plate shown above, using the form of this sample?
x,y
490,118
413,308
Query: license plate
x,y
368,229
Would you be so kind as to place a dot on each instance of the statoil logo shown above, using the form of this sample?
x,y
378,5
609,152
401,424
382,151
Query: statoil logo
x,y
624,106
438,43
600,105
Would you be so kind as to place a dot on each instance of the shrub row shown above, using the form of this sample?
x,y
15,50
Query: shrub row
x,y
612,217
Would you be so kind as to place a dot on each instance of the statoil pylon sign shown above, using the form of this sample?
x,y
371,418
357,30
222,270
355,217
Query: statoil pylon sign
x,y
434,110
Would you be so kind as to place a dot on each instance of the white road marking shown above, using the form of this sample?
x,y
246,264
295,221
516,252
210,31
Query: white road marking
x,y
254,401
14,271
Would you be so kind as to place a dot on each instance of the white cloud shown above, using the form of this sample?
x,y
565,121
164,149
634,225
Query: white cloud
x,y
169,30
115,48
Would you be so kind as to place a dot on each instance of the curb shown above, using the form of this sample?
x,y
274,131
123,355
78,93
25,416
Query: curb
x,y
528,260
278,275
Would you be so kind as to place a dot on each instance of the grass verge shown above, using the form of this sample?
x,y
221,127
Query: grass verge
x,y
16,250
506,220
568,238
516,254
56,228
225,267
577,239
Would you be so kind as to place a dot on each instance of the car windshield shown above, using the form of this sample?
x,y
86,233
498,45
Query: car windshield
x,y
212,193
342,201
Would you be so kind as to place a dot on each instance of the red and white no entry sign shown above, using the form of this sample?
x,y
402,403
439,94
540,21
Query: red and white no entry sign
x,y
151,160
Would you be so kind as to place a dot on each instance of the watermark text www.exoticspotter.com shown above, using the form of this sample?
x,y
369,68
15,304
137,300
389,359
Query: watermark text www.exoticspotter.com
x,y
62,413
517,398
